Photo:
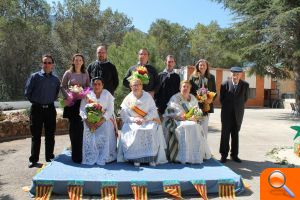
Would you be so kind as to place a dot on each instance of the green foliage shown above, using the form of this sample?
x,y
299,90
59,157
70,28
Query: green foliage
x,y
126,55
171,38
214,44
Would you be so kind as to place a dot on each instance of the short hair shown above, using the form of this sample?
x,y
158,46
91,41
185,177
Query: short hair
x,y
102,46
170,56
144,49
185,81
48,56
135,79
82,68
197,71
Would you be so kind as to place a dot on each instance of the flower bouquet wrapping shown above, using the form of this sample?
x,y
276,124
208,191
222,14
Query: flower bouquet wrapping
x,y
205,98
194,112
73,94
94,113
141,73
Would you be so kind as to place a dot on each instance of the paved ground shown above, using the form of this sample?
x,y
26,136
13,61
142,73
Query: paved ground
x,y
262,130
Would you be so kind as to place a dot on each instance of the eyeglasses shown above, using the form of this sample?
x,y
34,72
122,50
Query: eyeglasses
x,y
136,85
45,63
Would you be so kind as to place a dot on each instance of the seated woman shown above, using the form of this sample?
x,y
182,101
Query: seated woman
x,y
142,139
99,138
184,135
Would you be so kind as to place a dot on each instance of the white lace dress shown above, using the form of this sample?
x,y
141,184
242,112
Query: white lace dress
x,y
192,146
141,143
99,147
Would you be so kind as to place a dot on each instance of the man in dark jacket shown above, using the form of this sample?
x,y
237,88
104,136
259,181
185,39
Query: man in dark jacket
x,y
41,90
169,84
105,69
153,85
233,96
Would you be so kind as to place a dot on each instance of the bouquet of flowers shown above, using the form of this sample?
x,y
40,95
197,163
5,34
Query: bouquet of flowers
x,y
205,97
94,113
194,112
141,73
73,94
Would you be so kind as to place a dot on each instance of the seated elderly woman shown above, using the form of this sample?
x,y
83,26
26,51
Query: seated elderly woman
x,y
99,138
142,139
184,135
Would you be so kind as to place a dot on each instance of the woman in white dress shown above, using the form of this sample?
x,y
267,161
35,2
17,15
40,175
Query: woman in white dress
x,y
142,139
99,139
184,135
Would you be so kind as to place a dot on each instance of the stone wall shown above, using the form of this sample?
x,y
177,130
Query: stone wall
x,y
16,126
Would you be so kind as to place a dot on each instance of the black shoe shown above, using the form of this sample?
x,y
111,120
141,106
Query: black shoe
x,y
32,164
236,159
223,159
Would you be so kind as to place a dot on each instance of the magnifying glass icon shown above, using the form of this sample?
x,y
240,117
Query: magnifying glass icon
x,y
277,180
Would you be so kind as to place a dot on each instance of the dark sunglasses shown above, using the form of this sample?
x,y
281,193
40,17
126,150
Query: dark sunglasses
x,y
45,63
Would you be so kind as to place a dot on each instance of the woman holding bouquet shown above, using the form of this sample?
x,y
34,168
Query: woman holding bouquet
x,y
184,135
76,77
142,139
99,137
204,82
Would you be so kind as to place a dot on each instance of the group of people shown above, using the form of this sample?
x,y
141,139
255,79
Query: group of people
x,y
159,125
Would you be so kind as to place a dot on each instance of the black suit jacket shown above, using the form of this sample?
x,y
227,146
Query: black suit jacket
x,y
233,101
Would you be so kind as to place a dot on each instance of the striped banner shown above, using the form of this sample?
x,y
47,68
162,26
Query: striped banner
x,y
75,190
139,189
43,191
173,188
173,142
200,186
138,111
109,190
109,193
226,189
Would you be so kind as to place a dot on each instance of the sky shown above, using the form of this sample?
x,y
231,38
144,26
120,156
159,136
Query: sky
x,y
185,12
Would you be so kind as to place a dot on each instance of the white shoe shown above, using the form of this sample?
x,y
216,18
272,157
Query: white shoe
x,y
137,164
152,164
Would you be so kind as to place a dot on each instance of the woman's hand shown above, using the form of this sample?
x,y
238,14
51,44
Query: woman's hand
x,y
98,124
139,120
90,125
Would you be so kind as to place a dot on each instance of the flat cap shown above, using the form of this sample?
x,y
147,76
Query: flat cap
x,y
236,69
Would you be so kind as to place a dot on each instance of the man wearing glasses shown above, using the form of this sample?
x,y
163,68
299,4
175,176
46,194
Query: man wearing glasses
x,y
153,84
41,90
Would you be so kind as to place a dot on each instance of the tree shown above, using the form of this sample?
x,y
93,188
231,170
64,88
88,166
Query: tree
x,y
214,44
270,33
126,55
171,38
80,26
24,34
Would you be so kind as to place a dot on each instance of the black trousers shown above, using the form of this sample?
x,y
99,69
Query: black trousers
x,y
75,130
230,129
42,116
76,135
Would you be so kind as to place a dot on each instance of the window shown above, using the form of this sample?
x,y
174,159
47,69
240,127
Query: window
x,y
252,93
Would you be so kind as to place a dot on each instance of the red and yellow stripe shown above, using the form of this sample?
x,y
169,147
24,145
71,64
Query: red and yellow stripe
x,y
140,192
173,190
226,191
75,192
43,192
138,111
202,190
109,193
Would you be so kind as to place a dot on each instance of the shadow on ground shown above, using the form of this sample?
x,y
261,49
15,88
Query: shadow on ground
x,y
285,117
